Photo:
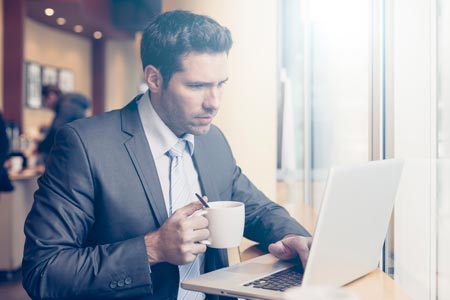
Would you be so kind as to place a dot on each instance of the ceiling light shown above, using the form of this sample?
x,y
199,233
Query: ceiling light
x,y
49,12
61,21
97,35
78,28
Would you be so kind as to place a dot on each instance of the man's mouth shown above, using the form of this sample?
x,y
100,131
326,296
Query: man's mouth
x,y
205,120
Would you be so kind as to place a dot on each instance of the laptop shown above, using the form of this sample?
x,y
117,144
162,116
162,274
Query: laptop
x,y
347,243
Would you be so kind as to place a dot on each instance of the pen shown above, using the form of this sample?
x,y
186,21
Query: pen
x,y
202,201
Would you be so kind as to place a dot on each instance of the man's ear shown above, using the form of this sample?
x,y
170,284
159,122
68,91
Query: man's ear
x,y
153,78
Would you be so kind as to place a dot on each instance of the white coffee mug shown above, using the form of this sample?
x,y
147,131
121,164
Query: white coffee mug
x,y
16,164
226,220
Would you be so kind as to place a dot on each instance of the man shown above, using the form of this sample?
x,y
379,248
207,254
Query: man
x,y
108,220
67,107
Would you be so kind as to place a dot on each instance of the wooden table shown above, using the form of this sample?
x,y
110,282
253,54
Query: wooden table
x,y
374,286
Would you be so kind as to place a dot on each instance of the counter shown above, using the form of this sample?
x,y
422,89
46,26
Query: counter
x,y
14,208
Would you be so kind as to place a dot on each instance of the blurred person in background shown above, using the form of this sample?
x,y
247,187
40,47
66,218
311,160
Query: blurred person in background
x,y
67,107
5,183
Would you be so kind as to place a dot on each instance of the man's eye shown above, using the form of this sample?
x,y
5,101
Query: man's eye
x,y
195,86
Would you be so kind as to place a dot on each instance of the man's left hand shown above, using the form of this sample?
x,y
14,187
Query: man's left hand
x,y
291,246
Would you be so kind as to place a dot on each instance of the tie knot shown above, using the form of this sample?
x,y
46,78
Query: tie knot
x,y
177,150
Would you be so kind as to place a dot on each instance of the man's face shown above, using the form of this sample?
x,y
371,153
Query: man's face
x,y
192,98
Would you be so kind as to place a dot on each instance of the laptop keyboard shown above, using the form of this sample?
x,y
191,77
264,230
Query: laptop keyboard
x,y
279,281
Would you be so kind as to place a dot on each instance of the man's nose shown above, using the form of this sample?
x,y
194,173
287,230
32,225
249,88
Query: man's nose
x,y
212,99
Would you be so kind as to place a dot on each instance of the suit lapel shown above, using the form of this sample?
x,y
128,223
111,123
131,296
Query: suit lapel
x,y
141,156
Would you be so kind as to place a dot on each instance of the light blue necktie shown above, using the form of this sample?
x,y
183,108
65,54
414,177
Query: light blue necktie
x,y
180,194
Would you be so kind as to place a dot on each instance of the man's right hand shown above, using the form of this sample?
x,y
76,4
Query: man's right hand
x,y
177,241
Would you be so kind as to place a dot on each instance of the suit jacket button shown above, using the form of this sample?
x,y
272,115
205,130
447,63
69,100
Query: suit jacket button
x,y
128,280
120,283
113,284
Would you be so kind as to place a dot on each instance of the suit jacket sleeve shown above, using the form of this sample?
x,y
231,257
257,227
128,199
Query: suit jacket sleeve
x,y
57,234
265,221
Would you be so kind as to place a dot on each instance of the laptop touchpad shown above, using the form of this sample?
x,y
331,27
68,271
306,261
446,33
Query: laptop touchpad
x,y
250,268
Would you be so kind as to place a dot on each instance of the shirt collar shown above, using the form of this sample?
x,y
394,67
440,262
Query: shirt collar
x,y
160,138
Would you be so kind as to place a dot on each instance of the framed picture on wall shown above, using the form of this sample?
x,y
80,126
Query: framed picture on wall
x,y
33,85
66,80
49,75
38,75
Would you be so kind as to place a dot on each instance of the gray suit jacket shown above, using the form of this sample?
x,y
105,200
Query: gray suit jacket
x,y
99,196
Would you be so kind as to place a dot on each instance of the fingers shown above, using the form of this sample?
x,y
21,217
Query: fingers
x,y
197,222
195,236
200,235
281,251
292,246
198,248
184,233
192,215
189,209
192,251
304,252
192,229
299,246
200,212
276,249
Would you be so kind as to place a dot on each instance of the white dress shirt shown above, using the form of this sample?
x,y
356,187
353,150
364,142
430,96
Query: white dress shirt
x,y
161,139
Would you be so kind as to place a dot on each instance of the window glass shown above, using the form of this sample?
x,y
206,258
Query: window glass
x,y
325,91
340,95
443,149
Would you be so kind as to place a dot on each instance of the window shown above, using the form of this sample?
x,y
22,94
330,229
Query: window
x,y
326,91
